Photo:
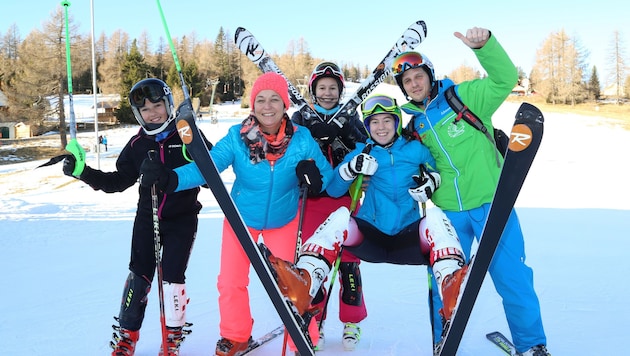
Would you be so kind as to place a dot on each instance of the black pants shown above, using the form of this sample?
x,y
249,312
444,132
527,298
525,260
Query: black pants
x,y
378,247
177,236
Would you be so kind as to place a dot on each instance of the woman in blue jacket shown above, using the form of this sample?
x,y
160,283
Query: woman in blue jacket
x,y
270,157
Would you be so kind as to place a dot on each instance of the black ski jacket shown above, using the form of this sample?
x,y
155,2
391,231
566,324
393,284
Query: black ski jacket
x,y
171,152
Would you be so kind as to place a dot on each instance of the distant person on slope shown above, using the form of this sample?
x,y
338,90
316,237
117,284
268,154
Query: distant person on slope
x,y
152,105
336,138
270,157
470,166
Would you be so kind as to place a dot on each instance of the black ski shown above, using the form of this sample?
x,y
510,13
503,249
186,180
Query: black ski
x,y
264,339
411,37
524,142
295,324
502,342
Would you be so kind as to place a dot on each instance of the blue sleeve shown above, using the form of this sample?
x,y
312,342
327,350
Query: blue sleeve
x,y
189,176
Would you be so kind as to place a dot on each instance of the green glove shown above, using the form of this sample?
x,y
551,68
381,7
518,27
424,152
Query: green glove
x,y
79,156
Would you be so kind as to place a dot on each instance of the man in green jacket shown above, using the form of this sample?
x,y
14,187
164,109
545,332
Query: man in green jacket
x,y
469,165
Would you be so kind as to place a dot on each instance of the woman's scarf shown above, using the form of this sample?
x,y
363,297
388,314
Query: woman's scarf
x,y
263,145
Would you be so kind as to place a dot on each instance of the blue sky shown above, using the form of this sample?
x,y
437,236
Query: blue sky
x,y
349,32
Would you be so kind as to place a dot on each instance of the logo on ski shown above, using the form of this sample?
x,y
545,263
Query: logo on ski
x,y
520,138
184,132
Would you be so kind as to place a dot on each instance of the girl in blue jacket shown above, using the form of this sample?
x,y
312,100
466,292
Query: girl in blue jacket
x,y
388,228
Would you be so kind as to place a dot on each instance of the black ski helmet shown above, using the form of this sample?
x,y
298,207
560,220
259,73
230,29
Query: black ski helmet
x,y
323,70
410,60
153,90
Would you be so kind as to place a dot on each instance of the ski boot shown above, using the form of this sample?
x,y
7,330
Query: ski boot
x,y
321,343
227,347
446,257
538,350
351,336
124,341
301,281
174,337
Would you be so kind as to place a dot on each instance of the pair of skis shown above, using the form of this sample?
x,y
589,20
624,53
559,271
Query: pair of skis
x,y
412,37
525,140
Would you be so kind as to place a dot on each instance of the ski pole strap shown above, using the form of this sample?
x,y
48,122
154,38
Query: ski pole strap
x,y
463,112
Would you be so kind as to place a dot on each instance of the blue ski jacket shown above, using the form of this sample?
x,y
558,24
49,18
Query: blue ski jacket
x,y
265,194
387,204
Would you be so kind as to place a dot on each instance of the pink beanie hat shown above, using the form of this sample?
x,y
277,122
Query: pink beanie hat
x,y
271,81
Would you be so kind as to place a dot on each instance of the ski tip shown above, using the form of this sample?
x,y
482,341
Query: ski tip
x,y
424,26
529,111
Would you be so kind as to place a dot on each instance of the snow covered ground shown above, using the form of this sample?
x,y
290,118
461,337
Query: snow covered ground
x,y
65,248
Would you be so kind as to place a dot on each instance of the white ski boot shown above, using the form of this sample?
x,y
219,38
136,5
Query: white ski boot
x,y
351,336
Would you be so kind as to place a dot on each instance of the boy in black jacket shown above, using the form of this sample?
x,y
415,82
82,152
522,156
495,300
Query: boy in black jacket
x,y
152,104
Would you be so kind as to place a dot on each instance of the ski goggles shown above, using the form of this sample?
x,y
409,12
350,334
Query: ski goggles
x,y
153,93
326,70
385,103
407,61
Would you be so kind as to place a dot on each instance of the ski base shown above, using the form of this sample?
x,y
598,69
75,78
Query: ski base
x,y
502,342
264,339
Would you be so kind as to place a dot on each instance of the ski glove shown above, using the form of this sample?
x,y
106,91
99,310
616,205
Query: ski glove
x,y
362,163
324,132
308,175
427,183
154,172
74,164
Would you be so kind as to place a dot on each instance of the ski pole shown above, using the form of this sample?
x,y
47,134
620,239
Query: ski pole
x,y
72,125
298,246
175,58
355,194
73,129
157,243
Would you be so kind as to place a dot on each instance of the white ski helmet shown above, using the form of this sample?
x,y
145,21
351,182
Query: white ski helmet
x,y
154,90
410,60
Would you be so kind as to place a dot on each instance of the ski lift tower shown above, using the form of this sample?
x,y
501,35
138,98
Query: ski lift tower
x,y
214,83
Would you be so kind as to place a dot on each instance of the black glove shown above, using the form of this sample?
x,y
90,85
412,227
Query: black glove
x,y
325,133
154,172
308,174
68,165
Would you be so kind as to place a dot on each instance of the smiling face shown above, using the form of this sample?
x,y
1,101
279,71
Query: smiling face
x,y
153,113
327,92
416,83
269,111
382,128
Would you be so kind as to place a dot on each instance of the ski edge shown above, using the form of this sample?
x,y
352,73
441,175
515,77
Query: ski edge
x,y
264,339
499,340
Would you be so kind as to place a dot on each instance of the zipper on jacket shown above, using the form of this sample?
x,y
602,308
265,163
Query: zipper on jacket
x,y
447,155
